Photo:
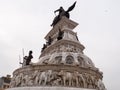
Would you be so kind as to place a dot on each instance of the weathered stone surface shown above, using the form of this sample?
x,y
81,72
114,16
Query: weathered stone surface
x,y
62,64
56,75
48,88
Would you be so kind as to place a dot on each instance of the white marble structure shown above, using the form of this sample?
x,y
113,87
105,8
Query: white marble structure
x,y
62,64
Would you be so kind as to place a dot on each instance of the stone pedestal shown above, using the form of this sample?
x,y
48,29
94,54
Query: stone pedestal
x,y
62,64
48,88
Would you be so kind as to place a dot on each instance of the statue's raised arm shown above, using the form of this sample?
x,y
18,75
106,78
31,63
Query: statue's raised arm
x,y
62,12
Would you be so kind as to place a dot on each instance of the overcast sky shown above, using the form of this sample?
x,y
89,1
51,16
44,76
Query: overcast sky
x,y
24,24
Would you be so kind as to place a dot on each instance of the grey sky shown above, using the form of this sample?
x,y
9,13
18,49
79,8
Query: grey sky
x,y
24,23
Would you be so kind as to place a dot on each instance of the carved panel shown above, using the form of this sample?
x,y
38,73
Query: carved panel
x,y
69,59
58,59
57,78
80,60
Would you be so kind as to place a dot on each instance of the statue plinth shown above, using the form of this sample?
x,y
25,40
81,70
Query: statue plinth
x,y
48,88
64,23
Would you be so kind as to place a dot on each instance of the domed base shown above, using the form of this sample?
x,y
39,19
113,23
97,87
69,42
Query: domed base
x,y
47,88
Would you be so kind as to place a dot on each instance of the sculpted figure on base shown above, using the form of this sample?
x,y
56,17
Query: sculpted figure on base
x,y
27,59
62,12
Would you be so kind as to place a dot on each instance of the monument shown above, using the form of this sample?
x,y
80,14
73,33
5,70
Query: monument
x,y
62,64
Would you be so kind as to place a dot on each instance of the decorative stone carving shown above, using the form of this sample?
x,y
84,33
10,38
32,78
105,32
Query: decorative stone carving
x,y
18,79
36,76
63,46
56,78
69,59
81,61
66,58
75,79
56,82
81,80
58,59
43,78
66,76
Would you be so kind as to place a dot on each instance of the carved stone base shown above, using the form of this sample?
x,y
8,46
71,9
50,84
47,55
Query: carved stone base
x,y
57,76
48,88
